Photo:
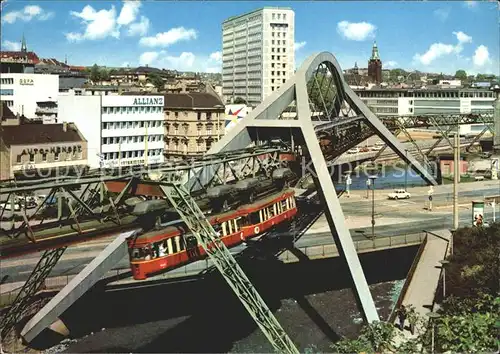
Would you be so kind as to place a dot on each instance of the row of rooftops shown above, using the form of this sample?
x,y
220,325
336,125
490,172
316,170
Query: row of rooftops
x,y
28,132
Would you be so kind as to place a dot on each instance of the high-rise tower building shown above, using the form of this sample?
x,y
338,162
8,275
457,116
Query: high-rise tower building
x,y
375,66
257,53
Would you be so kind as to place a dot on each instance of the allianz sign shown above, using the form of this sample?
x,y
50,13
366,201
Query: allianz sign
x,y
148,101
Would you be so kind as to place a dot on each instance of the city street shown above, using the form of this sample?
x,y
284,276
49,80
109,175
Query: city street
x,y
393,217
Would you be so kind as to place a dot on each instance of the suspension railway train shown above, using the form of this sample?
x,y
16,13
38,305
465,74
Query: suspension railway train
x,y
238,212
157,251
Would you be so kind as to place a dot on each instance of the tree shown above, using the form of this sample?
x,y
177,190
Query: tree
x,y
461,75
322,91
239,100
469,315
104,75
95,74
157,81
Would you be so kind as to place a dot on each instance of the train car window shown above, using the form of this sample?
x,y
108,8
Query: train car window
x,y
174,246
137,254
229,227
292,200
236,221
261,218
284,205
224,230
170,248
288,204
255,218
275,210
270,212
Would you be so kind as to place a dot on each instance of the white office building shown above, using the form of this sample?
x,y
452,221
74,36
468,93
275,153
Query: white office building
x,y
120,130
257,53
414,102
21,92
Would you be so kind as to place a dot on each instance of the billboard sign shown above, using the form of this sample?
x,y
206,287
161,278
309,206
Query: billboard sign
x,y
234,113
477,213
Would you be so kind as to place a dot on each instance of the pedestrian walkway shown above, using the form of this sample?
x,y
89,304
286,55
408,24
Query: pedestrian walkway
x,y
356,195
423,282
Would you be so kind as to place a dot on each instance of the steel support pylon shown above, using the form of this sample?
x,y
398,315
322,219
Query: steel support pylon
x,y
35,281
205,234
268,115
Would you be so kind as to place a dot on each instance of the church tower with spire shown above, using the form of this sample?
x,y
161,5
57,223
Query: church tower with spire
x,y
24,48
375,66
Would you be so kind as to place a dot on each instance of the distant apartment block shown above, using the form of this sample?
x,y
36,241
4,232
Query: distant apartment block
x,y
193,122
257,53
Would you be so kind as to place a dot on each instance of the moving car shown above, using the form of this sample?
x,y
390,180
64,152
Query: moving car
x,y
399,194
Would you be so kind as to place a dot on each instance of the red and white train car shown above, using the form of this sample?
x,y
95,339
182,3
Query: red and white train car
x,y
157,251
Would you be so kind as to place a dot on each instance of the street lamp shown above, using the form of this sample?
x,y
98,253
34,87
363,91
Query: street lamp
x,y
444,263
433,316
406,170
372,182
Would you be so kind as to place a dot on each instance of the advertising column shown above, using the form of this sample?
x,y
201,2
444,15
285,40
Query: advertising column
x,y
477,213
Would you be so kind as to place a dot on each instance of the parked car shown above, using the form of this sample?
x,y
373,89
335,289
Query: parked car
x,y
353,151
8,206
399,194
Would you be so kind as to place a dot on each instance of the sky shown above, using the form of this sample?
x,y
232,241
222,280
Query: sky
x,y
430,36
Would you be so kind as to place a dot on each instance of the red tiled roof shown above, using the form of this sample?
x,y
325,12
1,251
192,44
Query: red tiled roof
x,y
20,55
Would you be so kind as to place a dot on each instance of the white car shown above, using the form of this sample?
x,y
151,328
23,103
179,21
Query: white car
x,y
8,206
399,194
353,151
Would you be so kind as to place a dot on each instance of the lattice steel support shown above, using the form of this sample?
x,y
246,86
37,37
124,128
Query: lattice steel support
x,y
192,215
35,281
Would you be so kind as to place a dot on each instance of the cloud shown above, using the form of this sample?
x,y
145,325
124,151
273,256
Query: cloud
x,y
437,50
28,13
462,37
442,13
299,45
359,31
147,58
139,28
183,62
390,64
186,61
129,12
170,37
216,56
98,24
107,23
481,56
8,45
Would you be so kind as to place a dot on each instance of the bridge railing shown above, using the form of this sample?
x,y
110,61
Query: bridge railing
x,y
409,277
362,246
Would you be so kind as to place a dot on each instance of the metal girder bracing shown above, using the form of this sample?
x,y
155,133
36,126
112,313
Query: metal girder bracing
x,y
476,138
93,201
201,228
34,283
82,282
442,120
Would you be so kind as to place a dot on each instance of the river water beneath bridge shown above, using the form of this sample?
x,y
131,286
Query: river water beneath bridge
x,y
388,177
311,300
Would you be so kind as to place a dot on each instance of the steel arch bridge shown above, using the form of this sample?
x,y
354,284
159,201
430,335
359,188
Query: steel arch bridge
x,y
315,102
